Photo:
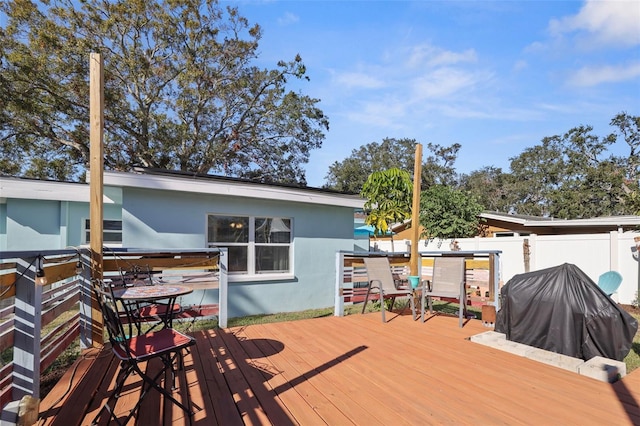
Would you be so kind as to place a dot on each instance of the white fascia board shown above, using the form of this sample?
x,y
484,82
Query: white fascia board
x,y
33,189
628,220
596,221
504,218
230,188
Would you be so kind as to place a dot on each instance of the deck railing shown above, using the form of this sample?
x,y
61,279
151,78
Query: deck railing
x,y
50,290
482,274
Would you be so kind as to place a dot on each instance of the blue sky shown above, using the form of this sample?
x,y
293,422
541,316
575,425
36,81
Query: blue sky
x,y
495,77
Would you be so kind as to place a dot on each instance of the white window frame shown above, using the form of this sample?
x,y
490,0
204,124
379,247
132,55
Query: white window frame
x,y
251,274
86,229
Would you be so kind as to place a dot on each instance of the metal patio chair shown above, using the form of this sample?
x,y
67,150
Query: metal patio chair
x,y
381,282
166,345
447,282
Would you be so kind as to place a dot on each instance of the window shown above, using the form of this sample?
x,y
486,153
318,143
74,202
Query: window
x,y
111,231
257,245
510,234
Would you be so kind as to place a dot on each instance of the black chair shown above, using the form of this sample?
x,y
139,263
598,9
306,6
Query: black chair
x,y
166,344
158,312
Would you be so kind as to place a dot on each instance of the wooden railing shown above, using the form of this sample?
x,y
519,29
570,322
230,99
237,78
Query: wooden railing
x,y
31,338
481,269
51,291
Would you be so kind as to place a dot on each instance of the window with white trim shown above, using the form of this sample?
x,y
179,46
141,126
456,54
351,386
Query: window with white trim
x,y
257,245
111,231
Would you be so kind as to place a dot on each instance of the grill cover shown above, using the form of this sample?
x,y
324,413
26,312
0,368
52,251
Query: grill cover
x,y
560,309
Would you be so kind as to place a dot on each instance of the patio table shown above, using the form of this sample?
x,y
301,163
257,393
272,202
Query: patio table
x,y
153,293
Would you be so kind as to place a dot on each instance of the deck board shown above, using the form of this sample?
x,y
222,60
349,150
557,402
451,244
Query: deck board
x,y
353,370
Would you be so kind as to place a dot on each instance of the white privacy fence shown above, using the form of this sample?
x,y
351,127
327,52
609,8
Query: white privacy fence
x,y
592,253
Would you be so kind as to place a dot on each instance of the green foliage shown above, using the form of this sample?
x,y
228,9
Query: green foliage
x,y
487,185
389,198
180,91
567,176
571,176
446,212
350,174
438,168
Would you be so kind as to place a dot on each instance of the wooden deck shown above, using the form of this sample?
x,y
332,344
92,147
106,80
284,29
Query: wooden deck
x,y
353,370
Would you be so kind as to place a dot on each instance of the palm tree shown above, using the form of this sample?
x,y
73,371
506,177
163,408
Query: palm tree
x,y
389,197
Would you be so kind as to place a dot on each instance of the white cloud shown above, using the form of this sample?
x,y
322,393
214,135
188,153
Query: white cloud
x,y
591,76
443,82
384,113
358,80
606,22
431,56
520,65
288,18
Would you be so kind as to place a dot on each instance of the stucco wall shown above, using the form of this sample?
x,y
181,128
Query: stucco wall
x,y
46,225
155,219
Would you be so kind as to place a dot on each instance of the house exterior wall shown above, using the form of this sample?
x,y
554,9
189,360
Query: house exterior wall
x,y
30,224
171,219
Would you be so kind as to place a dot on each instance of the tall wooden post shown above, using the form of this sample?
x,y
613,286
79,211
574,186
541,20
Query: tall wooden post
x,y
96,126
415,210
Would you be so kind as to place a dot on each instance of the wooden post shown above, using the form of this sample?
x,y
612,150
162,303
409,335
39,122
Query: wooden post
x,y
96,126
28,320
415,211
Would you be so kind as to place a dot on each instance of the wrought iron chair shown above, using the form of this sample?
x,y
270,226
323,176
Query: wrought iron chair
x,y
158,312
166,345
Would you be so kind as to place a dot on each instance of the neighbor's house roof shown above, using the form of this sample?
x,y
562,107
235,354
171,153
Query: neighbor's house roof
x,y
501,222
233,187
547,225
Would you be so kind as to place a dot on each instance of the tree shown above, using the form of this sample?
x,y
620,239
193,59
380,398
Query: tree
x,y
533,176
487,185
438,169
180,91
350,174
389,199
568,177
629,129
446,212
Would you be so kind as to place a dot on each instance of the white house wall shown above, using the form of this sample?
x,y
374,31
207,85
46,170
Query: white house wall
x,y
592,253
158,219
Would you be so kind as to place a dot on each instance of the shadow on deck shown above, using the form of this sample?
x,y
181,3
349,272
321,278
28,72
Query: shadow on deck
x,y
351,370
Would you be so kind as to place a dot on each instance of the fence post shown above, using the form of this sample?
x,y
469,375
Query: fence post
x,y
223,294
27,327
494,268
338,310
613,250
86,323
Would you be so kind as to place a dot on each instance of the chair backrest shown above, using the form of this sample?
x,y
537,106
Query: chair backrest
x,y
448,274
609,282
111,316
379,271
135,276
